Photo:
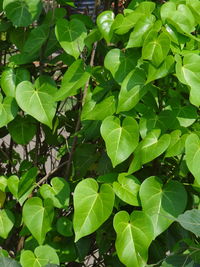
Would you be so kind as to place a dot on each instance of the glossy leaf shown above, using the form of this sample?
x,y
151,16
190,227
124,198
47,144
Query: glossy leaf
x,y
7,221
38,217
132,90
134,235
121,140
190,220
29,10
92,206
58,192
74,78
8,110
42,256
120,63
37,102
8,262
163,203
192,151
104,23
71,36
127,189
10,78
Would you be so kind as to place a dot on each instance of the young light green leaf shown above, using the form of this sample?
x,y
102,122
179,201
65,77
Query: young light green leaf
x,y
8,110
38,217
10,78
156,48
127,189
71,36
58,192
37,102
42,256
188,73
134,235
132,90
23,12
121,140
192,152
74,78
141,28
22,129
177,144
120,63
190,220
104,23
92,206
162,202
7,221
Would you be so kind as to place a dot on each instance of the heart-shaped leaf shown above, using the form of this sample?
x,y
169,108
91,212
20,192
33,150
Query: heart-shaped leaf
x,y
156,48
64,226
127,189
58,192
162,202
120,63
188,73
22,129
7,221
121,140
150,148
92,206
132,90
10,78
38,217
8,110
192,151
74,78
22,12
190,220
41,257
37,102
134,235
71,36
104,23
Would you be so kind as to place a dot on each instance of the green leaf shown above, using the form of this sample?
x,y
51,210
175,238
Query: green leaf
x,y
71,36
37,102
58,192
22,12
127,189
8,262
162,202
156,48
74,78
22,129
41,257
194,5
92,206
64,226
8,110
149,148
121,140
192,152
10,78
132,90
7,221
38,217
178,261
104,23
99,111
134,235
163,70
188,73
190,220
177,144
141,28
120,63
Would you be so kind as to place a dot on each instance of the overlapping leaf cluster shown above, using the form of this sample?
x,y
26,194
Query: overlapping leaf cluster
x,y
113,107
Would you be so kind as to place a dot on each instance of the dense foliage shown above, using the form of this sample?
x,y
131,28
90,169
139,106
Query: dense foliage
x,y
100,135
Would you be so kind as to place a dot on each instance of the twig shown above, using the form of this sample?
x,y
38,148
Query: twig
x,y
78,124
